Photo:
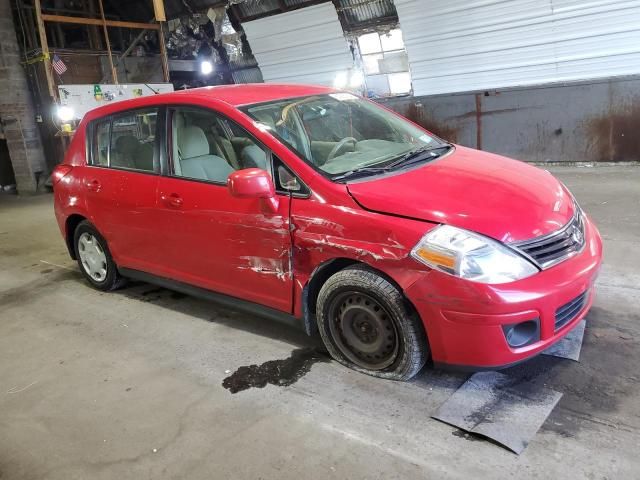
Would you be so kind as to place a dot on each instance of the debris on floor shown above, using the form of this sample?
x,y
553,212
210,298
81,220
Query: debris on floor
x,y
276,372
507,410
571,345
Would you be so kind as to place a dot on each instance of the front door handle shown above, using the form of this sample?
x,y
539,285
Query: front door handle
x,y
172,200
93,185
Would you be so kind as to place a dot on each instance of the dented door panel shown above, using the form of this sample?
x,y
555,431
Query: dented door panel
x,y
231,245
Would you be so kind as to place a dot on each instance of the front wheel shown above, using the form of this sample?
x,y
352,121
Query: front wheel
x,y
94,258
366,324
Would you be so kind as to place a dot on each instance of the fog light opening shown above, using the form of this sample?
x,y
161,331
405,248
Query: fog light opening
x,y
522,334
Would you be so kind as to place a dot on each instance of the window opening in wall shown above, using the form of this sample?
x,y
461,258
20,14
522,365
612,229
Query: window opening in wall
x,y
385,63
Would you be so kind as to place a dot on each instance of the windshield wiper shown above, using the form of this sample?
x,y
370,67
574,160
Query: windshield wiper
x,y
358,170
414,155
405,159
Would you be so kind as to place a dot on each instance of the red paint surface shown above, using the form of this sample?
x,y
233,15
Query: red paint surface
x,y
200,233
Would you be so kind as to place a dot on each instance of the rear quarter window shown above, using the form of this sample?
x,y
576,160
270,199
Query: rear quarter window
x,y
101,133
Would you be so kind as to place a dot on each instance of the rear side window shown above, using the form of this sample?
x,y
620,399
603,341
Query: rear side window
x,y
127,141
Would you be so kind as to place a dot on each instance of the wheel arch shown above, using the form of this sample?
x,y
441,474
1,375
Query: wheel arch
x,y
322,273
71,224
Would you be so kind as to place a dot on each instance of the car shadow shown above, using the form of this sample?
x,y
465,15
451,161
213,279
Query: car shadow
x,y
211,311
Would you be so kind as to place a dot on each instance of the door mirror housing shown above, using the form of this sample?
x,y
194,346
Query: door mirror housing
x,y
253,183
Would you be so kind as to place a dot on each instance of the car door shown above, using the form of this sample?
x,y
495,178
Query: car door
x,y
121,182
235,246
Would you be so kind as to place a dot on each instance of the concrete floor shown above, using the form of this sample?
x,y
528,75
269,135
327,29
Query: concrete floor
x,y
128,384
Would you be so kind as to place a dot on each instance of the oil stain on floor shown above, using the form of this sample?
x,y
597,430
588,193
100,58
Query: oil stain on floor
x,y
275,372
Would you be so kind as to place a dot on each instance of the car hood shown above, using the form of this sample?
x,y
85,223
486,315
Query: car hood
x,y
505,199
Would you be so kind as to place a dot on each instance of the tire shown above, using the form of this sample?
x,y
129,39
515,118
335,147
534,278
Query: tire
x,y
92,253
367,325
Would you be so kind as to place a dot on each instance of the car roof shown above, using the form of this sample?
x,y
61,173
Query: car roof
x,y
249,93
234,95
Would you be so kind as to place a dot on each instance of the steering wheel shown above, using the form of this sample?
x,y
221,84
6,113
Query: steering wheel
x,y
338,146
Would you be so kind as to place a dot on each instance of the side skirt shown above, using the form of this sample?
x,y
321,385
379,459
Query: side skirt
x,y
222,299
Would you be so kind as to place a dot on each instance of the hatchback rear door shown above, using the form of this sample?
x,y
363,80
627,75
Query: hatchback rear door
x,y
121,181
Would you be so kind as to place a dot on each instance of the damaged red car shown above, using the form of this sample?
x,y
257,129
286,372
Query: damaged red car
x,y
324,208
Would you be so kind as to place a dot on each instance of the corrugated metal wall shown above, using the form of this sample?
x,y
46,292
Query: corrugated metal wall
x,y
465,45
302,46
358,14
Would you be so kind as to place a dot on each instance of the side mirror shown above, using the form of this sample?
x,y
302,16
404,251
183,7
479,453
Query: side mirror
x,y
253,183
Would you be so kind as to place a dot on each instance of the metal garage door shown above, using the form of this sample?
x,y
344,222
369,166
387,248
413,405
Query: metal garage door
x,y
463,45
302,46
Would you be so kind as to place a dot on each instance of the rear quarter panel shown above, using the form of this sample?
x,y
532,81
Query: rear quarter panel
x,y
68,192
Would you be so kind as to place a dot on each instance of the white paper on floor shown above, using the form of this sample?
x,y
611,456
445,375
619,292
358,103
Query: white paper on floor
x,y
507,410
570,346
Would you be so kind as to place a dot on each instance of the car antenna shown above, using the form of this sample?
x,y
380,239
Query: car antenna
x,y
154,91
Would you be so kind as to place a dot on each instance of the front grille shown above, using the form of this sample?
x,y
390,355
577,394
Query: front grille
x,y
552,249
570,310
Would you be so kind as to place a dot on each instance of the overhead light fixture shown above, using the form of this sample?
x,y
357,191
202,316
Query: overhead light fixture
x,y
206,67
65,113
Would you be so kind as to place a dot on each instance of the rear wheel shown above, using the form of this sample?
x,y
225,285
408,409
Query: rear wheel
x,y
94,258
366,324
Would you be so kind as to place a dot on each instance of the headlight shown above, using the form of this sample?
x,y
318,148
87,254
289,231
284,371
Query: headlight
x,y
471,256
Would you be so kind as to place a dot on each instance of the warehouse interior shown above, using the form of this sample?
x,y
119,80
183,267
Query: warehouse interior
x,y
148,382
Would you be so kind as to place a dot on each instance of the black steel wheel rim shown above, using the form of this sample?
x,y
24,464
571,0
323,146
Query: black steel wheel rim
x,y
363,330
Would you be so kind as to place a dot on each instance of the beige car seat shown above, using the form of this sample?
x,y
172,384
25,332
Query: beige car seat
x,y
194,157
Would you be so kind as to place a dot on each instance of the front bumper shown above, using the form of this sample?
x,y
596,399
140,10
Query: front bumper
x,y
464,320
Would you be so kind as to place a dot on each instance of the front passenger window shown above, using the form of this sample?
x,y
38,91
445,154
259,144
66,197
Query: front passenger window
x,y
205,148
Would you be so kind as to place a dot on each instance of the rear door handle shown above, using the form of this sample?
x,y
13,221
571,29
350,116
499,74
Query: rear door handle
x,y
93,185
172,200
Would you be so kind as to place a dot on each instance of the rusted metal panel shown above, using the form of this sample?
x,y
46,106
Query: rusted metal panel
x,y
417,113
614,134
580,122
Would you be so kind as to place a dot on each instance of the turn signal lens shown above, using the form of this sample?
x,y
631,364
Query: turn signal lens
x,y
436,258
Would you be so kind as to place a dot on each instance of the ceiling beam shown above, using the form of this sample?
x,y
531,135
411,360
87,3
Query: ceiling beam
x,y
99,22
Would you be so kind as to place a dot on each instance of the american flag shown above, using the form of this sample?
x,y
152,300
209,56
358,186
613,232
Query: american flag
x,y
58,65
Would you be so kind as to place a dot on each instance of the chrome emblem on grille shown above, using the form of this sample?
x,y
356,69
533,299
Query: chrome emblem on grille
x,y
577,235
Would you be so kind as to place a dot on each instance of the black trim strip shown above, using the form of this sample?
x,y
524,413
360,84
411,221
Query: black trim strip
x,y
226,300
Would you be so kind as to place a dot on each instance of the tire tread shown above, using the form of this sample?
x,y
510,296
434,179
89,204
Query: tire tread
x,y
415,341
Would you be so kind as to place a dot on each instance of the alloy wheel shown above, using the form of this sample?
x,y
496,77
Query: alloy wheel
x,y
92,257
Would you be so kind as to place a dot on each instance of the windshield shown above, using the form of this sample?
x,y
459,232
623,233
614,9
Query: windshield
x,y
341,134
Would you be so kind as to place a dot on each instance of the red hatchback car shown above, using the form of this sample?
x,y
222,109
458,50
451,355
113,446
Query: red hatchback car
x,y
317,205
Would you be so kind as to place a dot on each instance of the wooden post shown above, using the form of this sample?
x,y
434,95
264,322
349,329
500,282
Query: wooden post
x,y
132,46
44,45
158,10
163,53
114,74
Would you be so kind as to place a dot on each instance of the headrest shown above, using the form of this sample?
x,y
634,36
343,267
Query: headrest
x,y
127,144
254,156
192,142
